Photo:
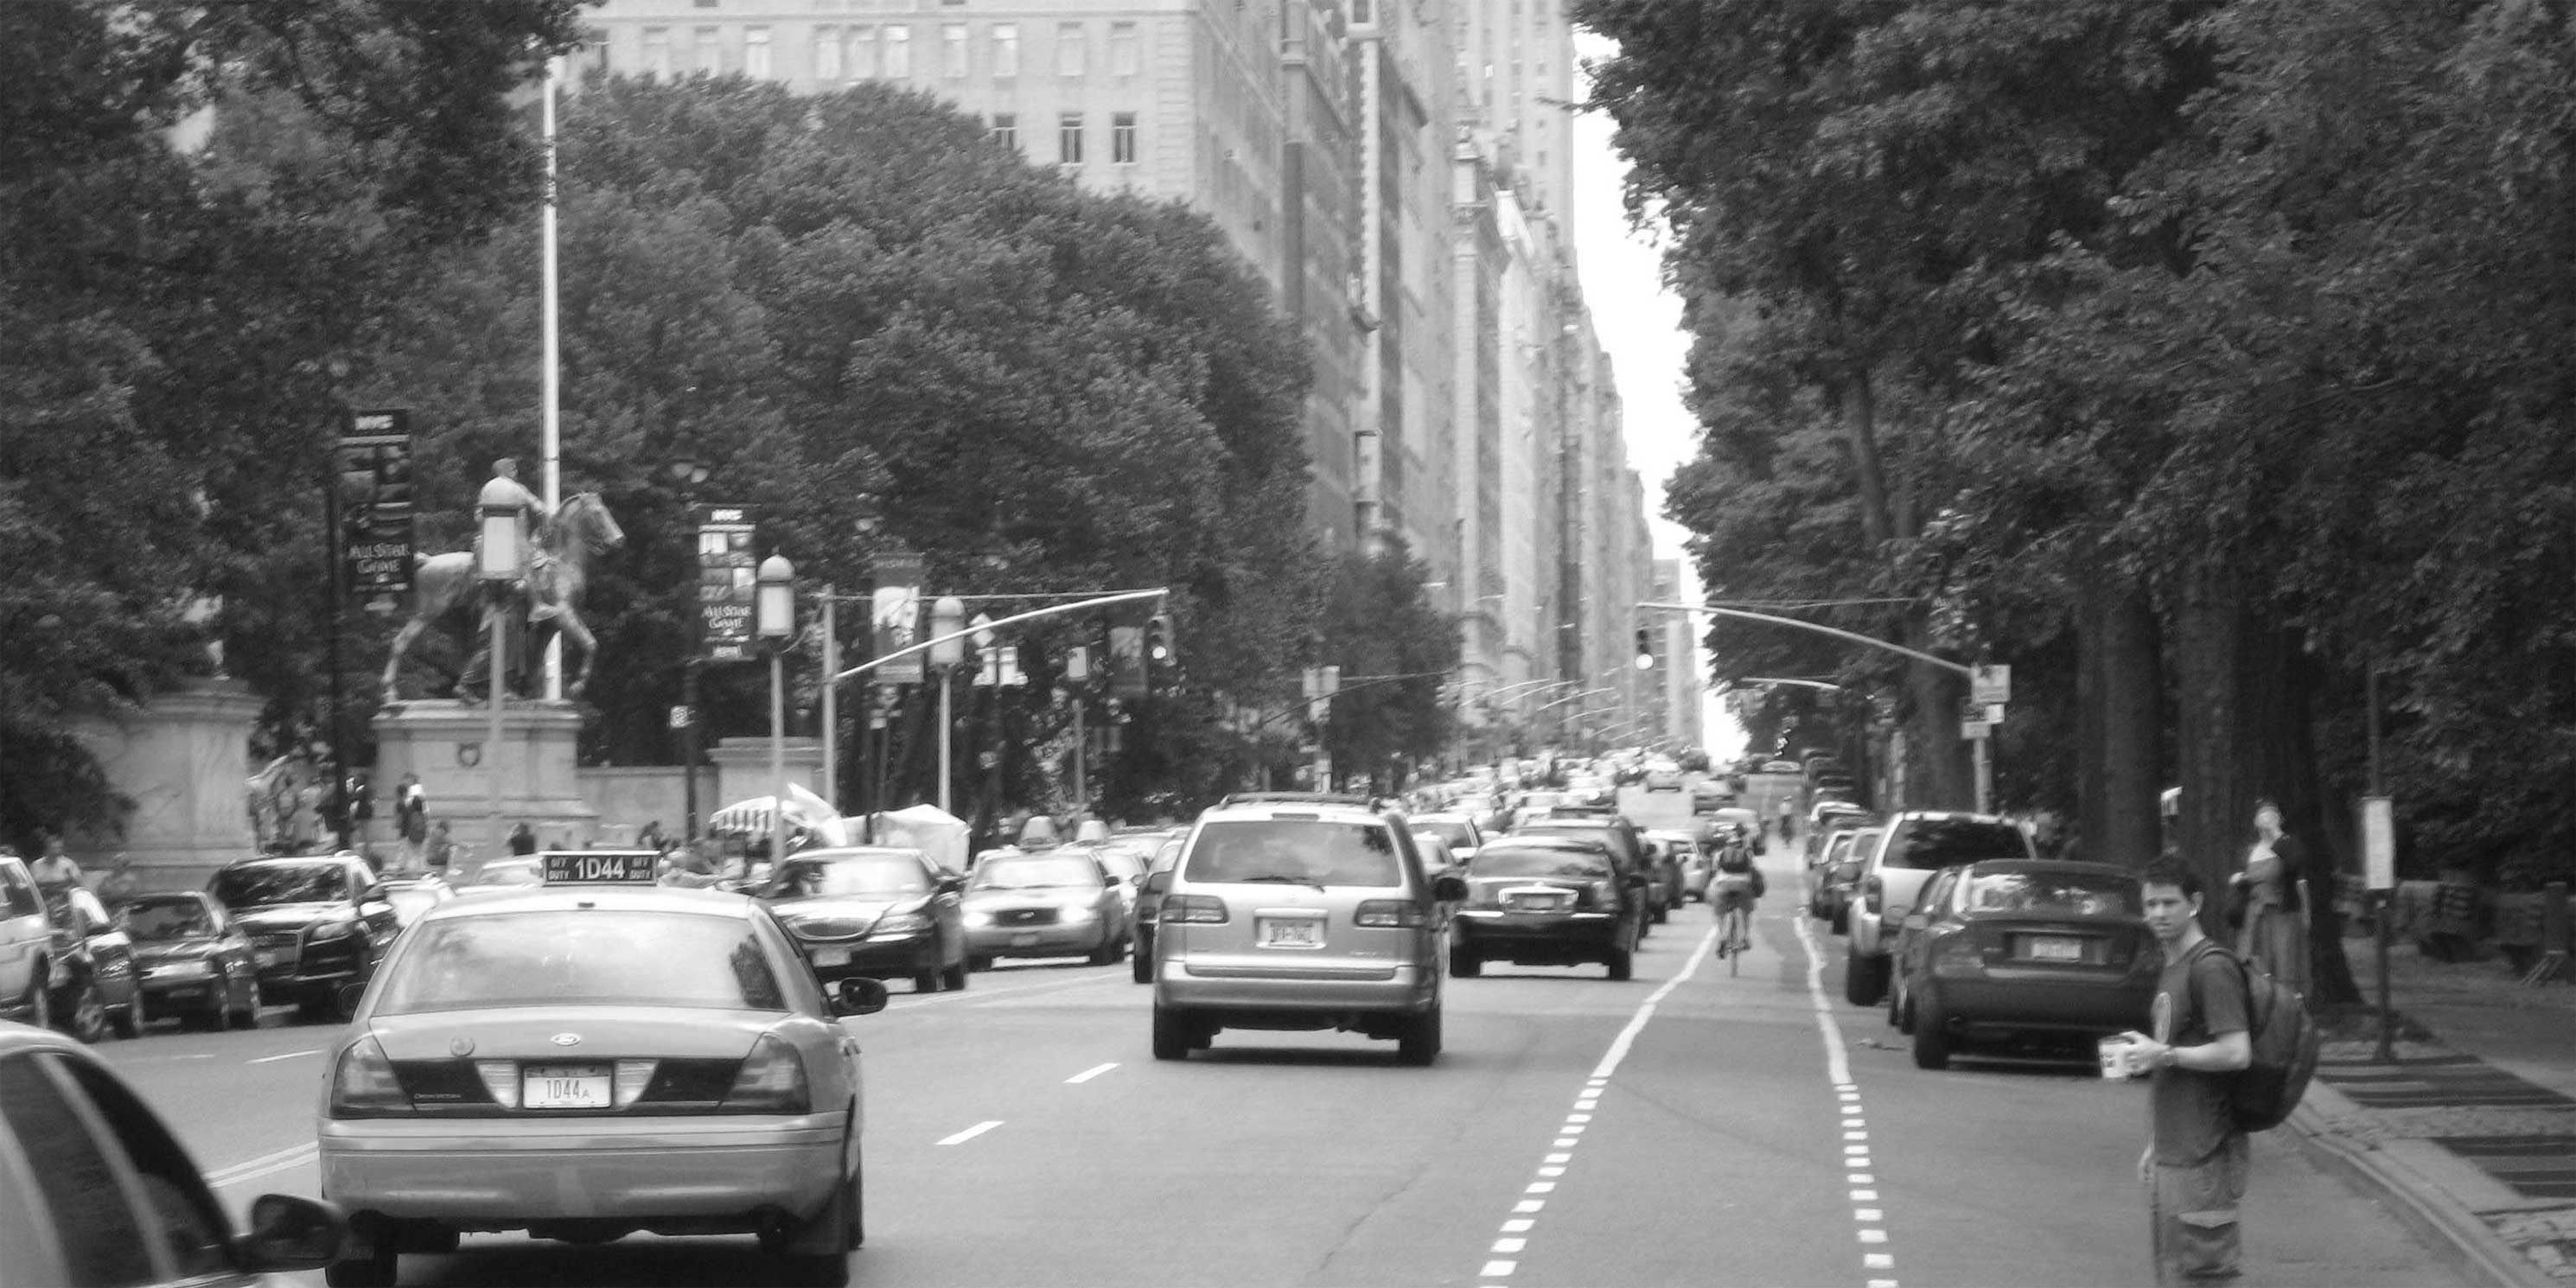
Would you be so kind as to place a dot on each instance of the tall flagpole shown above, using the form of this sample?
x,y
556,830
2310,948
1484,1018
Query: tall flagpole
x,y
553,376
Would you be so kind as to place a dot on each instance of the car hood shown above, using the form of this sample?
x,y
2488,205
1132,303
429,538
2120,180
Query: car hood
x,y
841,916
1034,896
177,950
286,916
603,1032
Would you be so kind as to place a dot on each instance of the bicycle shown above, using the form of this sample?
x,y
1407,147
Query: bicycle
x,y
1733,899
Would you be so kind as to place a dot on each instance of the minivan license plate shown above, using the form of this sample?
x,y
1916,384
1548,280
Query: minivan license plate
x,y
1291,932
564,1086
2049,948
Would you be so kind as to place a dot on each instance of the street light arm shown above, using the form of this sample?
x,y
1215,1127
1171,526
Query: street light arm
x,y
1838,633
1122,597
1365,682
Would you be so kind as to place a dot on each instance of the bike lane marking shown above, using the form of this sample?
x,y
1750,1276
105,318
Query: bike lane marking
x,y
972,1132
1869,1222
1553,1164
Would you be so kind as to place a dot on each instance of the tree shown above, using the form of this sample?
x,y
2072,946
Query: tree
x,y
1397,654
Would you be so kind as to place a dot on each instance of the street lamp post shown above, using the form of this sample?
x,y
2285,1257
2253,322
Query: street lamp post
x,y
498,567
947,653
689,473
774,621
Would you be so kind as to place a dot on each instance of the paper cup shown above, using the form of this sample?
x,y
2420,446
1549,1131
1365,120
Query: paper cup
x,y
2115,1058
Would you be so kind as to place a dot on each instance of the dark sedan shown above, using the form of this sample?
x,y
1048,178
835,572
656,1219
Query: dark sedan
x,y
196,964
873,913
2022,946
1558,900
320,925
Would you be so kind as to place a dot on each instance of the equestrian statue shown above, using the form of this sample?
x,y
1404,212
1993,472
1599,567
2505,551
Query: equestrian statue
x,y
542,603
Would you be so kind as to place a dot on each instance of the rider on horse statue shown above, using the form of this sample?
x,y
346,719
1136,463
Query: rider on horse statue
x,y
532,527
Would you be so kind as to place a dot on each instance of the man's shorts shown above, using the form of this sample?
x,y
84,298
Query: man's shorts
x,y
1729,893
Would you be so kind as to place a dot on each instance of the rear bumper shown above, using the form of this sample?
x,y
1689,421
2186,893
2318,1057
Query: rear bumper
x,y
2040,1000
1314,991
1504,934
504,1174
1062,939
873,959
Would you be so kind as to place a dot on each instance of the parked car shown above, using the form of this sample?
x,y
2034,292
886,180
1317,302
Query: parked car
x,y
196,963
1823,902
1710,794
1843,878
320,924
873,912
95,988
1825,817
1663,776
26,946
1044,903
2015,946
101,1192
1695,861
1781,767
1666,888
1914,845
1547,901
1296,915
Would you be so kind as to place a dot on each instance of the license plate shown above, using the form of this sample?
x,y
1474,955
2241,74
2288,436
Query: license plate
x,y
1026,939
2049,948
1539,902
1291,932
831,956
573,1086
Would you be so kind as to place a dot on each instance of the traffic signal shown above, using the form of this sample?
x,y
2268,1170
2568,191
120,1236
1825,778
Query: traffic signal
x,y
1159,652
1645,649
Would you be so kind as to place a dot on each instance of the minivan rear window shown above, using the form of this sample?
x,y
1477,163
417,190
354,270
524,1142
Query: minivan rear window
x,y
1296,852
1933,843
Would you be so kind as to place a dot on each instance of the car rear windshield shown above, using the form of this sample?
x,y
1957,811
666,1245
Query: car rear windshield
x,y
854,874
281,883
1932,843
1298,851
1036,871
584,957
1535,862
2085,893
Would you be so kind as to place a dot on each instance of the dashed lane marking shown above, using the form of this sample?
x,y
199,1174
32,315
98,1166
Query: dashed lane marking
x,y
1869,1223
289,1055
1092,1072
972,1132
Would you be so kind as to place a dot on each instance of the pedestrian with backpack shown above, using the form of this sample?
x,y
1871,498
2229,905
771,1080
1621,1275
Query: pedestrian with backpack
x,y
2195,1163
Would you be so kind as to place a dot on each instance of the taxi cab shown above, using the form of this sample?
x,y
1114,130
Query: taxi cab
x,y
594,1057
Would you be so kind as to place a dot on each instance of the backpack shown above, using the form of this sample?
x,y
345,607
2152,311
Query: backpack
x,y
2283,1038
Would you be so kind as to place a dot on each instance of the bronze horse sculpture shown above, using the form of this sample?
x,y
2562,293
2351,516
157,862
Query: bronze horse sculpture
x,y
546,605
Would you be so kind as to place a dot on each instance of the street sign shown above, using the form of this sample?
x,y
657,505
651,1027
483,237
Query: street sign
x,y
1991,685
726,581
680,717
897,613
374,490
1976,730
2378,844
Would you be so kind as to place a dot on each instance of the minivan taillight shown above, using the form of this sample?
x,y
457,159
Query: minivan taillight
x,y
1205,909
1387,912
364,1085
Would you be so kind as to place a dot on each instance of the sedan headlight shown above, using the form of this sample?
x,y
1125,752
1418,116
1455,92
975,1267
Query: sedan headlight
x,y
895,924
978,917
1080,912
335,927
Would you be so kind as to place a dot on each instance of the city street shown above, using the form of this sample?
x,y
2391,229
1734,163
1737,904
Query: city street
x,y
1687,1127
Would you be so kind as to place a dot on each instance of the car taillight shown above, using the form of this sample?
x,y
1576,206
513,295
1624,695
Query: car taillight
x,y
1205,909
364,1085
501,1078
1387,912
771,1081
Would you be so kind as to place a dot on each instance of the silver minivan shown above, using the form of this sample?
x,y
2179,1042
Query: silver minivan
x,y
1292,913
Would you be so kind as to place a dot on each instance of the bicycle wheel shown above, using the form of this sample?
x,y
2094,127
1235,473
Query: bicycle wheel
x,y
1735,936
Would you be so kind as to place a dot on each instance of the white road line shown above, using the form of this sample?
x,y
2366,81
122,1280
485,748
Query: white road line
x,y
1093,1072
972,1132
265,1165
290,1055
1646,1009
1870,1221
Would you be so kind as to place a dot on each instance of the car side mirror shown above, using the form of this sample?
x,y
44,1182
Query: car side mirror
x,y
859,997
291,1233
1448,889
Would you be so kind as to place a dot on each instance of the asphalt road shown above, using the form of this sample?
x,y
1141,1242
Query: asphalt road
x,y
1687,1127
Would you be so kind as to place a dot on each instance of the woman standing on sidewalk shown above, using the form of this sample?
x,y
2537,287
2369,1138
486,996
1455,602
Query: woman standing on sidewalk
x,y
2274,938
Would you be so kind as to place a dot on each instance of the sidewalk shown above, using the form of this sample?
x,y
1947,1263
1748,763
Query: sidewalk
x,y
2470,1136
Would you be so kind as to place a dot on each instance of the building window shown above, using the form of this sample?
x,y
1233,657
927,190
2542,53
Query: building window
x,y
1006,130
898,53
1006,49
952,50
1123,57
755,53
827,54
863,53
710,48
594,52
1068,49
1122,138
657,52
1068,138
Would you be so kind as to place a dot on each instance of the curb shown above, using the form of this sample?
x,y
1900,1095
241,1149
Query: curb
x,y
2432,1215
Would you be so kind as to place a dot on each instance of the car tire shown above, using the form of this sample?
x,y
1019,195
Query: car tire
x,y
1663,913
86,1018
1864,978
1143,967
1931,1032
925,981
954,977
1842,921
129,1019
1107,953
378,1269
979,963
248,1016
40,999
836,1226
1419,1044
1622,963
1171,1034
1465,962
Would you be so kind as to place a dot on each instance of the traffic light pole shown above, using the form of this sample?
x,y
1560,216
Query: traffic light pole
x,y
1059,610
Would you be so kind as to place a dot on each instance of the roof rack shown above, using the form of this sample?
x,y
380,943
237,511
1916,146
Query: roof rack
x,y
1292,798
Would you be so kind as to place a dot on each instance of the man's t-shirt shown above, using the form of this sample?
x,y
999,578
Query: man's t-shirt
x,y
2197,998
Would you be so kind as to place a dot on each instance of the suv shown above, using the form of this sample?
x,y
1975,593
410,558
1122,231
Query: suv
x,y
319,924
26,946
1911,847
1299,914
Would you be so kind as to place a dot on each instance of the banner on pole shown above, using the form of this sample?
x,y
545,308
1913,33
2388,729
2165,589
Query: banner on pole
x,y
375,494
896,613
726,581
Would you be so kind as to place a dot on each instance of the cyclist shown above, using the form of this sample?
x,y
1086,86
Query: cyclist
x,y
1733,888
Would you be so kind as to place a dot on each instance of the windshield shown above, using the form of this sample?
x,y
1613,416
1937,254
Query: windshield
x,y
155,920
582,958
1538,863
1034,871
889,875
281,883
508,874
1312,852
1948,842
2083,893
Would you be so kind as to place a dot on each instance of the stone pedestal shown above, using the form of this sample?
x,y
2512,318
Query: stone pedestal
x,y
449,746
742,770
185,763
